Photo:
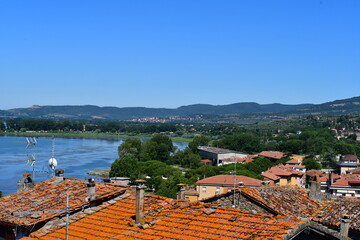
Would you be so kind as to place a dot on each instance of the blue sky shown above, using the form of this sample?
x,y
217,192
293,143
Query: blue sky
x,y
174,53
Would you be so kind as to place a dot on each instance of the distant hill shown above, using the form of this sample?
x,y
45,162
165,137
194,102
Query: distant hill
x,y
236,110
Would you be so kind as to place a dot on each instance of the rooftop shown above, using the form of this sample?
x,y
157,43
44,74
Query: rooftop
x,y
229,180
346,180
169,219
272,154
216,150
350,157
285,200
331,211
294,162
275,172
51,195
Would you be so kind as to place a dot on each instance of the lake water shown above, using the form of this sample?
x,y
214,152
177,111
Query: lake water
x,y
76,156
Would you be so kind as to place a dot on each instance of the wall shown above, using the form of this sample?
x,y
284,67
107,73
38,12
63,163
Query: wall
x,y
210,191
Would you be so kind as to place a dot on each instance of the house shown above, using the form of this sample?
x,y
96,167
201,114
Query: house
x,y
299,168
312,174
135,216
217,155
236,160
294,162
333,219
275,200
347,185
348,162
30,209
333,210
218,184
284,175
297,157
325,180
272,155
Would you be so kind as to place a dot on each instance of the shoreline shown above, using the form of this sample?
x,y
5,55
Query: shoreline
x,y
84,135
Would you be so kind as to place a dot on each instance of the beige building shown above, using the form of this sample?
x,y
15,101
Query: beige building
x,y
209,187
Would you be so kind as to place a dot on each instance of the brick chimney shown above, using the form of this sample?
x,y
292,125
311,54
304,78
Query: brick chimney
x,y
344,226
91,189
25,183
59,175
181,193
139,201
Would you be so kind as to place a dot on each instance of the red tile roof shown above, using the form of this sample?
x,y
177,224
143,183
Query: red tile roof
x,y
346,180
331,212
272,154
169,219
294,161
350,157
325,177
229,180
285,200
51,195
276,172
313,173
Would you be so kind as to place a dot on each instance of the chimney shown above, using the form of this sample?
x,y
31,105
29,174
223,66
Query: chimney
x,y
59,175
91,189
315,189
139,201
344,226
181,193
25,183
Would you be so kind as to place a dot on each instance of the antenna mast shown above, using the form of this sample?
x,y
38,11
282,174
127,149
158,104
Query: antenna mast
x,y
234,182
31,143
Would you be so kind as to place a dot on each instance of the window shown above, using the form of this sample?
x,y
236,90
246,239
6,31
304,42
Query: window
x,y
217,191
203,189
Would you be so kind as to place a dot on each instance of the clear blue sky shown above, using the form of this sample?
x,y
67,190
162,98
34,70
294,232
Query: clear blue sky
x,y
173,53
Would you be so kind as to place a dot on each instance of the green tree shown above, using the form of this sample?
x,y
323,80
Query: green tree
x,y
168,187
158,148
187,158
130,146
259,165
199,141
246,142
126,166
311,163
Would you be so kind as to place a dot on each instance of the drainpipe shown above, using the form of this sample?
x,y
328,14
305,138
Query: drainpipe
x,y
139,201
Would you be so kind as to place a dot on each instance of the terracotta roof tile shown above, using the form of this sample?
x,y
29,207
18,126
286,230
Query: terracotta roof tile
x,y
332,210
51,195
272,154
286,200
345,180
229,180
172,221
277,171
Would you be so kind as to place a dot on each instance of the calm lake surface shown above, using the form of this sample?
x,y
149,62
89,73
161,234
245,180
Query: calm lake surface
x,y
76,156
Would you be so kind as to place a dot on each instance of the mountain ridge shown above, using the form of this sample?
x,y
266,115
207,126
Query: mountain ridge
x,y
342,106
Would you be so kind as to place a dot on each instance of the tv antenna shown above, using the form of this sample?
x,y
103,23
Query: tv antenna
x,y
31,158
52,161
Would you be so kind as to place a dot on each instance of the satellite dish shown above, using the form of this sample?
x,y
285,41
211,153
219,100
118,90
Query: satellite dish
x,y
52,163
